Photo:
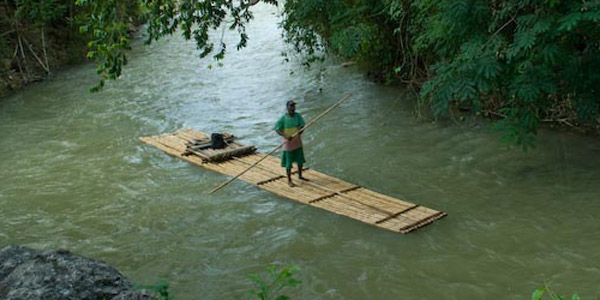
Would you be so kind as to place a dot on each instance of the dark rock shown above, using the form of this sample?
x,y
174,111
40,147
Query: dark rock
x,y
376,76
29,274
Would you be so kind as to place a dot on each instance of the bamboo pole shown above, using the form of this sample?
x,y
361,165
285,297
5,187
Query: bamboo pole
x,y
281,145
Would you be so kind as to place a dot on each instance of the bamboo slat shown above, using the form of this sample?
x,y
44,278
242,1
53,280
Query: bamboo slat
x,y
343,206
322,191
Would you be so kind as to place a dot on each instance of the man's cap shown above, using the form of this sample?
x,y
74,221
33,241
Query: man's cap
x,y
290,102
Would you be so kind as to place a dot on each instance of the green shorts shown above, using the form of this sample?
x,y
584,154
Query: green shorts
x,y
288,157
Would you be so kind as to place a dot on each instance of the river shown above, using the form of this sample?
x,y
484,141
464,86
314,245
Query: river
x,y
74,175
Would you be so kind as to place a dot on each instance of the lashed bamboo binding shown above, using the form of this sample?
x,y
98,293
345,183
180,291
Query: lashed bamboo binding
x,y
322,191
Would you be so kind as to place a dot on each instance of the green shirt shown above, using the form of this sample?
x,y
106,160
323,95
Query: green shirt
x,y
289,126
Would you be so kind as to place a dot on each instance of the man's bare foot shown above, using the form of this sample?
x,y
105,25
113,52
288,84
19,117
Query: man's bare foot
x,y
303,178
291,184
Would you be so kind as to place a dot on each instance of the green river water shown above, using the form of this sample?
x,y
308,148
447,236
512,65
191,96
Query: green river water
x,y
74,175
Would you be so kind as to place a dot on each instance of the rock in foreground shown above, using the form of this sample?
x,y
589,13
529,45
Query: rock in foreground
x,y
29,274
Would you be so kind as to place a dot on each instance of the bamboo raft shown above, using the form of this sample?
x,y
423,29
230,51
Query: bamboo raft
x,y
322,191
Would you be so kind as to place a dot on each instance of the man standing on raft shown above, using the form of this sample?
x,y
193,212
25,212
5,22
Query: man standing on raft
x,y
290,123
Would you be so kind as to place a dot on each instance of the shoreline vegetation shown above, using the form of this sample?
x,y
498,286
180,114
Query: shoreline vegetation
x,y
36,41
519,63
40,37
522,64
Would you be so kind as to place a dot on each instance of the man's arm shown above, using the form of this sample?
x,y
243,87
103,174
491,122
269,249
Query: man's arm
x,y
283,135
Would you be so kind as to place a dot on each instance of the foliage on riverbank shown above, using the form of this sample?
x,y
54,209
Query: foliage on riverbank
x,y
39,37
521,62
37,32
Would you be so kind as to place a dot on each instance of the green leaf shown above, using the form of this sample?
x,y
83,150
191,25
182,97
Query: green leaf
x,y
568,22
525,39
542,25
538,293
593,16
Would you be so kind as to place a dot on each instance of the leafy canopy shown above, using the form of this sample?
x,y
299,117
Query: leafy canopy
x,y
108,23
522,60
